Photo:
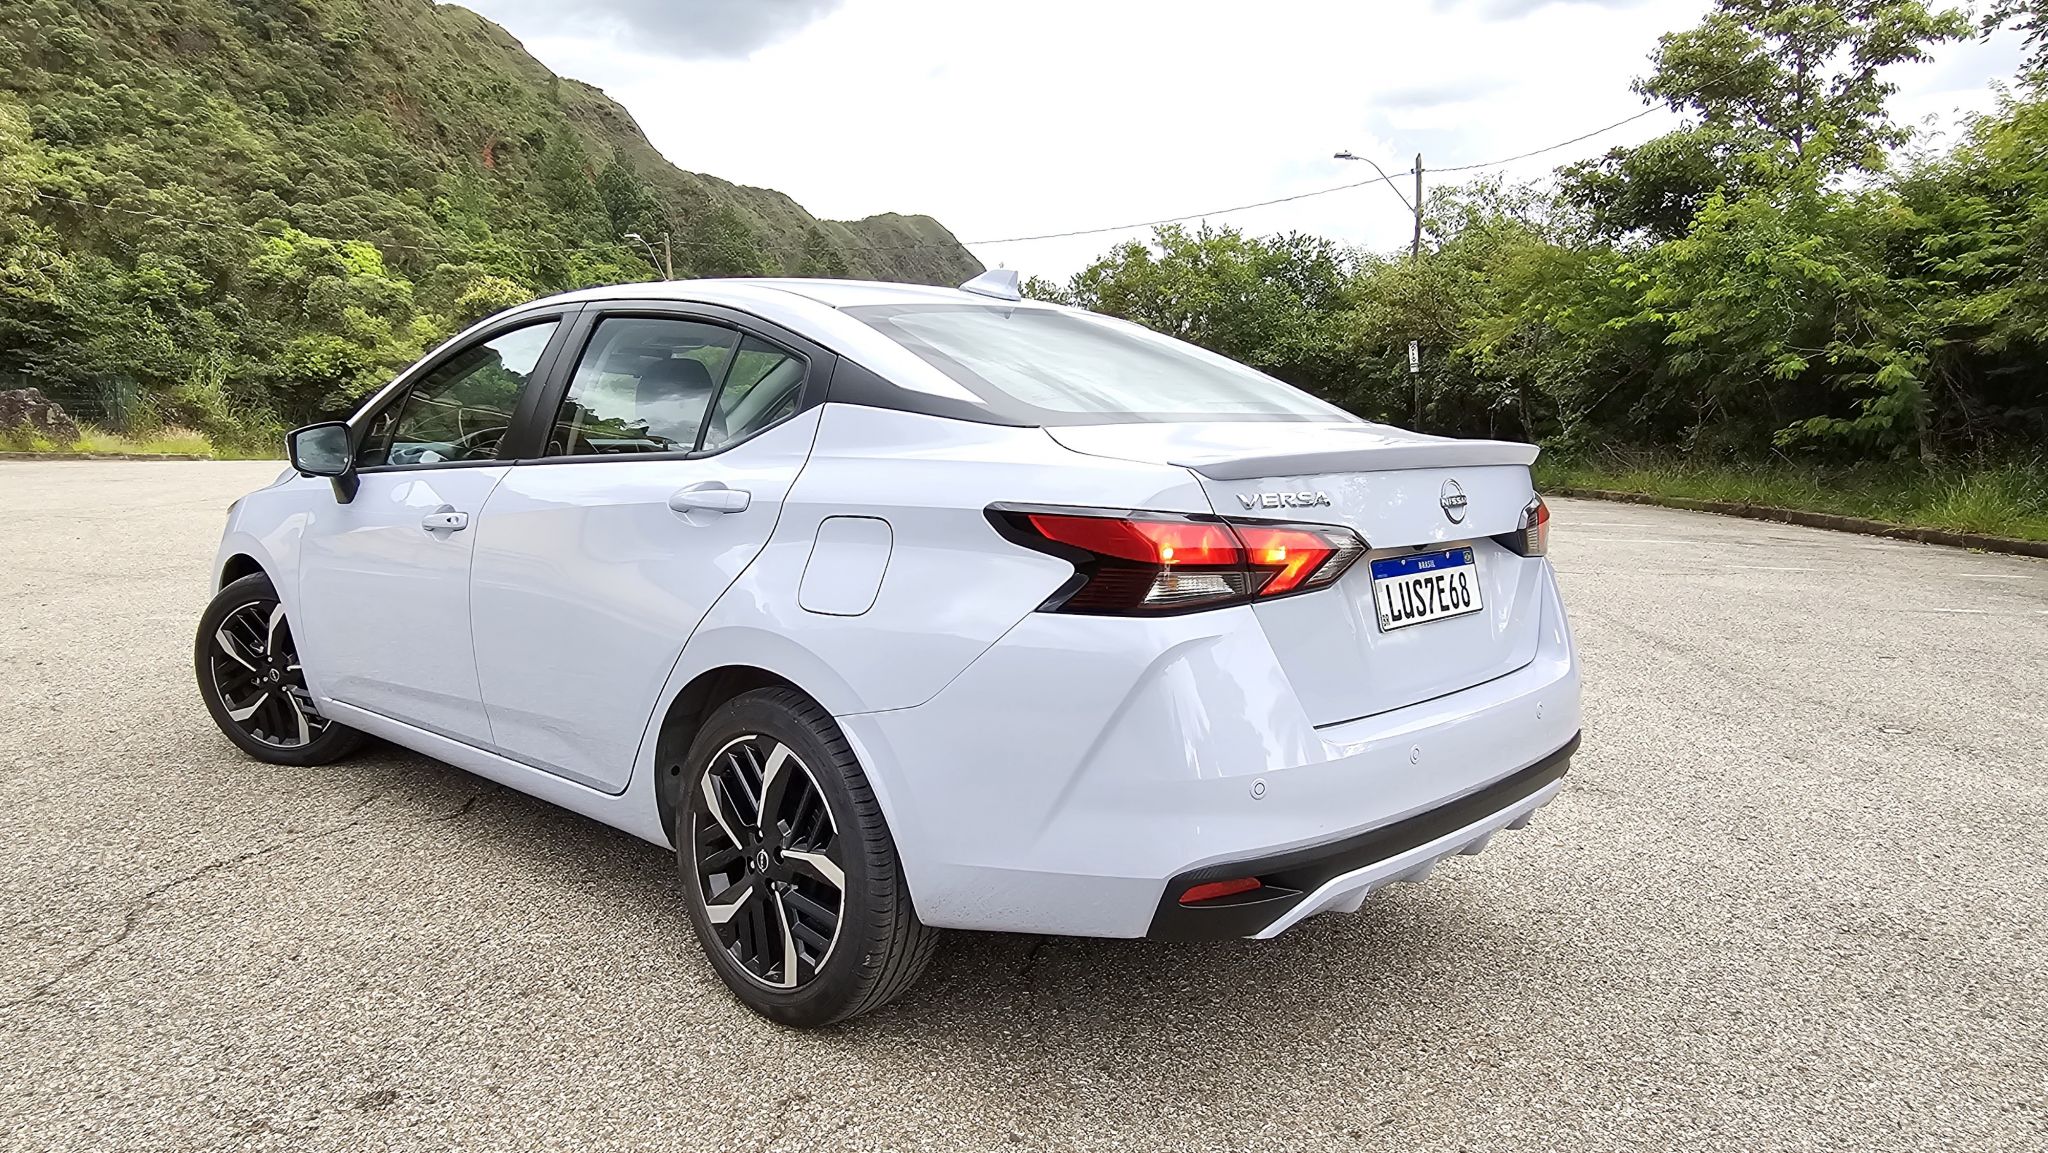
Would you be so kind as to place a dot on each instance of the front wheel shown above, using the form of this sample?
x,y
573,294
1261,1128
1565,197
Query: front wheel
x,y
788,870
252,683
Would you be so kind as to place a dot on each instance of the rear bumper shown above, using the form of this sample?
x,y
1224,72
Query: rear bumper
x,y
1339,875
1071,778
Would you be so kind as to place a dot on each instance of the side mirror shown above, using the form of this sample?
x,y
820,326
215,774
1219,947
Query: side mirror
x,y
323,450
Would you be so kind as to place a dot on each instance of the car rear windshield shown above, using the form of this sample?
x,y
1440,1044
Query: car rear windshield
x,y
1060,366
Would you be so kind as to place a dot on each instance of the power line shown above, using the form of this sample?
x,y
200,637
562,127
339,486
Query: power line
x,y
1664,102
1391,186
1383,178
1181,219
1554,147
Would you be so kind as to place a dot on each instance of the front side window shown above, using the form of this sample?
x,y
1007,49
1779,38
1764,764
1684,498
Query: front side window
x,y
643,385
461,409
1059,366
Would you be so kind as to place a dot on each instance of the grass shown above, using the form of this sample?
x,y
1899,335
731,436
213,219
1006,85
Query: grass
x,y
2007,499
170,441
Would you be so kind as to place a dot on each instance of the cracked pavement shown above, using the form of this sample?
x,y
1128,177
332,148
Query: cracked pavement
x,y
1792,896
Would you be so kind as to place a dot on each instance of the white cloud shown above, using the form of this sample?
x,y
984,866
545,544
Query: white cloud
x,y
687,28
1065,114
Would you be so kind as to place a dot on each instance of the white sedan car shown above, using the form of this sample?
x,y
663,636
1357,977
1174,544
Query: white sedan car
x,y
892,609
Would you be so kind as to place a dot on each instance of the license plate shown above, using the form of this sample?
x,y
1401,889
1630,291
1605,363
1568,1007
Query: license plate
x,y
1425,586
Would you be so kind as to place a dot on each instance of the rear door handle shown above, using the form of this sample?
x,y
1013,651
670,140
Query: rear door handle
x,y
710,497
446,518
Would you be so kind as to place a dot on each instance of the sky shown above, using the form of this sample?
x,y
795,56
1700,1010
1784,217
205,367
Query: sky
x,y
1006,119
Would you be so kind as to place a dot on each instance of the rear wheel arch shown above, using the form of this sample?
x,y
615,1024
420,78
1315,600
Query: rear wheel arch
x,y
686,716
783,867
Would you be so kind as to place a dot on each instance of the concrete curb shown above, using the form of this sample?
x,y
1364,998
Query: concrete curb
x,y
1856,524
102,456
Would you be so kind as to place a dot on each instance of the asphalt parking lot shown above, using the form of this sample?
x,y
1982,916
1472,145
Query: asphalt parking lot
x,y
1794,895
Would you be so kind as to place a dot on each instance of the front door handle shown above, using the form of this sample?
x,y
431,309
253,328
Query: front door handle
x,y
710,497
445,519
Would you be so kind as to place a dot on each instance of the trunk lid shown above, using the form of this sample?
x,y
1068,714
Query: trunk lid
x,y
1391,487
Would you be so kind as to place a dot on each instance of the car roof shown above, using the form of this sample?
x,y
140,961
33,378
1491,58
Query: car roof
x,y
830,293
811,309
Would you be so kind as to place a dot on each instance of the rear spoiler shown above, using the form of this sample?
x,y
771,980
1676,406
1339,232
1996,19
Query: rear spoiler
x,y
1378,458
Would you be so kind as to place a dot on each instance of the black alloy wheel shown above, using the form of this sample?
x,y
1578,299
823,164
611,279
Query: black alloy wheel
x,y
768,872
256,672
254,684
789,874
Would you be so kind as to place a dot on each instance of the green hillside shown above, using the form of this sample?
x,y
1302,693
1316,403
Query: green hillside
x,y
232,214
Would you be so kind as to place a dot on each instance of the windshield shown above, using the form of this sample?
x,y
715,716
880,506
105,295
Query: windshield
x,y
1058,366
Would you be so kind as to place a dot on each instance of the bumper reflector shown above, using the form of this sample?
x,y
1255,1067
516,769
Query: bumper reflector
x,y
1218,889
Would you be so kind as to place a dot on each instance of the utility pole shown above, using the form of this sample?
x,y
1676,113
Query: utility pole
x,y
1415,246
1415,257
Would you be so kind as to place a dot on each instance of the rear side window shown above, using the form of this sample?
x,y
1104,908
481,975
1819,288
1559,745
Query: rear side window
x,y
1061,366
643,385
766,384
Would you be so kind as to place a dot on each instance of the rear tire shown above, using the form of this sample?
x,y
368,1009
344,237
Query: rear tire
x,y
249,676
803,911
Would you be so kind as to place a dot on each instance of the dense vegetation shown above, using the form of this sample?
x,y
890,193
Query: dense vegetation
x,y
1784,278
225,215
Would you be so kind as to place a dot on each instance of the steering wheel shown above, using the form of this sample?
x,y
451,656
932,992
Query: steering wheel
x,y
482,442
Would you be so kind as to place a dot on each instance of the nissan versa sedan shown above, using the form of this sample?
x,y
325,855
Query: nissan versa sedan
x,y
892,609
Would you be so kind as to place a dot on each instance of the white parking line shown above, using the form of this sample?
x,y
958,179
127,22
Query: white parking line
x,y
1993,576
1768,568
1969,612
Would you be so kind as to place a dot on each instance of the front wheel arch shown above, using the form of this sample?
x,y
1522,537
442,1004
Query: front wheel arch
x,y
244,646
236,567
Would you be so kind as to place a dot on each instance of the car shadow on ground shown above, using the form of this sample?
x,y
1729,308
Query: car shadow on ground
x,y
996,1006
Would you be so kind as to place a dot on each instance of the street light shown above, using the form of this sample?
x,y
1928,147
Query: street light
x,y
1414,207
667,270
1414,255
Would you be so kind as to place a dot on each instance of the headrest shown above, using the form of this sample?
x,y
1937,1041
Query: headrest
x,y
674,378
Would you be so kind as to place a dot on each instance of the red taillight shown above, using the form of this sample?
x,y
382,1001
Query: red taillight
x,y
1217,889
1534,531
1131,562
1298,558
1159,542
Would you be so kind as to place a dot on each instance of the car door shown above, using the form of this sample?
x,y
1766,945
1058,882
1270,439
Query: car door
x,y
658,480
384,611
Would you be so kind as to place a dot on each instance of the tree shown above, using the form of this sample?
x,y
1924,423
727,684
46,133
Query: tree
x,y
1779,73
2030,19
820,256
717,242
213,212
1768,82
1276,303
1653,190
1974,229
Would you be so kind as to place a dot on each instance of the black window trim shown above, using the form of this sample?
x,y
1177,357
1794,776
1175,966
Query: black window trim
x,y
564,318
529,434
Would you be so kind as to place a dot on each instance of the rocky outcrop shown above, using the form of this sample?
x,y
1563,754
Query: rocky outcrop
x,y
29,409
